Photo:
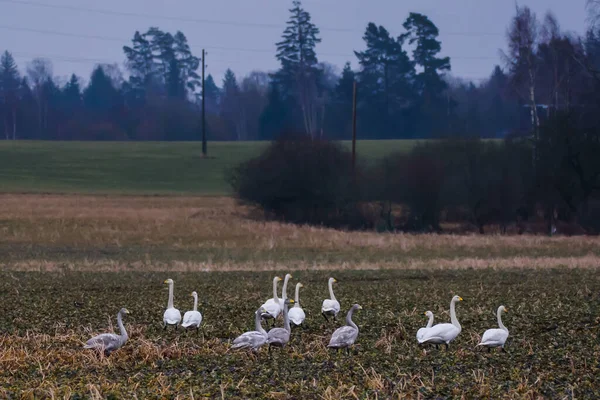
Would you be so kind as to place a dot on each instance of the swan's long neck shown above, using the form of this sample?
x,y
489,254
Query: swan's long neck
x,y
349,321
331,295
297,297
170,305
257,326
195,302
430,322
453,315
121,326
284,289
286,319
500,324
275,297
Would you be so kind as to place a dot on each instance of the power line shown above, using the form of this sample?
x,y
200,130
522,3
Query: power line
x,y
208,21
217,48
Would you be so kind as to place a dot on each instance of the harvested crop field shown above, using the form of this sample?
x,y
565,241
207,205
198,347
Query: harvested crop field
x,y
106,252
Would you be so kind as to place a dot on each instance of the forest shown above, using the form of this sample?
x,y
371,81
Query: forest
x,y
405,89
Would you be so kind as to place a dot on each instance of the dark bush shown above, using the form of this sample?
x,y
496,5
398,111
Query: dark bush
x,y
301,180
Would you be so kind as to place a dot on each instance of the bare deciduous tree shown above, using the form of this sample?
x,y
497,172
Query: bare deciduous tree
x,y
40,72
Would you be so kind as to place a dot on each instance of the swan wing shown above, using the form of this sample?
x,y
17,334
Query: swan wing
x,y
494,337
191,318
343,337
330,306
172,316
421,332
440,332
105,341
273,309
278,336
296,315
252,339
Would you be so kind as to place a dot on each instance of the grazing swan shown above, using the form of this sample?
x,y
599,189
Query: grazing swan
x,y
172,315
444,333
109,342
496,337
280,336
252,339
330,306
283,291
192,319
272,309
296,314
421,332
345,336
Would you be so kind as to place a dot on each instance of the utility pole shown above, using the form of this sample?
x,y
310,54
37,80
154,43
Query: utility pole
x,y
203,109
354,125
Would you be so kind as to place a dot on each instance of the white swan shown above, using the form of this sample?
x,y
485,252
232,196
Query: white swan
x,y
345,336
279,337
252,339
192,319
109,342
296,314
421,332
330,306
496,337
444,333
283,292
272,309
172,316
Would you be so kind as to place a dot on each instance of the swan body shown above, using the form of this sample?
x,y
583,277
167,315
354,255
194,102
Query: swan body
x,y
345,336
272,309
330,306
421,331
283,297
296,314
252,339
444,333
192,319
279,337
172,316
109,342
496,337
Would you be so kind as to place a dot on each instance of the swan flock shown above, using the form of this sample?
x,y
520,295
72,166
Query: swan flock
x,y
343,337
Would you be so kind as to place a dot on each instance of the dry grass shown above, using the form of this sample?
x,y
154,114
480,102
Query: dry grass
x,y
56,232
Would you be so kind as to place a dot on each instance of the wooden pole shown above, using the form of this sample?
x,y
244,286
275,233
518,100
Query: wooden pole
x,y
354,125
203,109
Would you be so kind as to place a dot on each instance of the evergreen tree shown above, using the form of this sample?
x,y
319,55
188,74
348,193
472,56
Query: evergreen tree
x,y
299,73
9,88
213,94
428,83
100,97
72,93
231,110
386,82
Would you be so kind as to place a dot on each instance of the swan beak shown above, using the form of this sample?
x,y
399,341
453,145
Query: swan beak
x,y
278,278
335,280
425,313
360,307
301,285
127,311
460,298
165,282
506,310
291,301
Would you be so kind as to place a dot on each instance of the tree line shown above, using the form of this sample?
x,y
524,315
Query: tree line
x,y
405,89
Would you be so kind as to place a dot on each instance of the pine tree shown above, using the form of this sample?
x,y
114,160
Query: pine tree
x,y
386,81
9,88
100,97
298,76
213,94
231,110
72,93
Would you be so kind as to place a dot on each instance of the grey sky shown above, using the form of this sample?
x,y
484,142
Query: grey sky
x,y
472,31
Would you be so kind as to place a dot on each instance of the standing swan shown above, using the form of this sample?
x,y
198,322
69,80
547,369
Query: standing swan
x,y
345,336
192,318
109,342
496,337
252,339
421,332
444,333
280,336
172,316
283,291
272,309
330,306
296,314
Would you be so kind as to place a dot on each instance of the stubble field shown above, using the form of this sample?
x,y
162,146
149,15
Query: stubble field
x,y
106,252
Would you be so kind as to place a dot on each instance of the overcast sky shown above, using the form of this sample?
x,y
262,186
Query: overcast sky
x,y
241,34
